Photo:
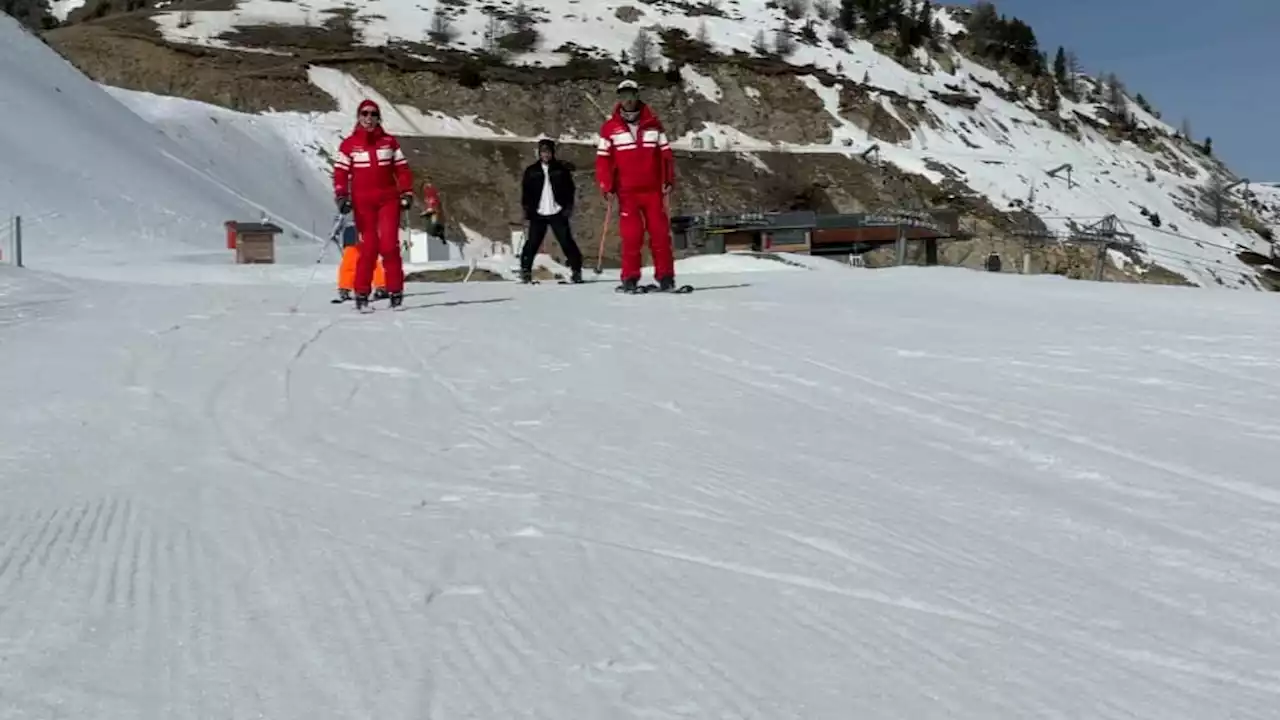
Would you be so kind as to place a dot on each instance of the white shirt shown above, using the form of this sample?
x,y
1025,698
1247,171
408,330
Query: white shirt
x,y
548,205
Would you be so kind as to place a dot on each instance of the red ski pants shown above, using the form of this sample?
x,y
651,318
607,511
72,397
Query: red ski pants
x,y
636,213
378,223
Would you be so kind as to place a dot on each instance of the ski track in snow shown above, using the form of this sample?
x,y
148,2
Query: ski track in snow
x,y
815,494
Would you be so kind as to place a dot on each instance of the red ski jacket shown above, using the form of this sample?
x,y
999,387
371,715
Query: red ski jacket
x,y
634,160
371,166
431,200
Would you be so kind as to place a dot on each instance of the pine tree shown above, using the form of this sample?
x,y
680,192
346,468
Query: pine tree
x,y
1060,67
1115,96
924,20
847,18
521,18
795,9
642,51
760,44
784,44
494,29
1073,73
442,31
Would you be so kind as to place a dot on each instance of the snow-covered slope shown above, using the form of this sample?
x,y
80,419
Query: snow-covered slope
x,y
1002,149
1264,200
96,182
563,503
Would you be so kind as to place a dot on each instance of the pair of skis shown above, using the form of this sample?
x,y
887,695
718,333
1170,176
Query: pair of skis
x,y
639,289
652,288
367,308
557,282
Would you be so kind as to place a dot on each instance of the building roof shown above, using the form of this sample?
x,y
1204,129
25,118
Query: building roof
x,y
257,227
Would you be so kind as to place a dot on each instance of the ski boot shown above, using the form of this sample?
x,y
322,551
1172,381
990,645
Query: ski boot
x,y
362,303
343,296
666,284
575,276
526,276
397,299
630,286
381,294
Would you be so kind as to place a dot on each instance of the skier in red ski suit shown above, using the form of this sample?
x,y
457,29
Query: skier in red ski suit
x,y
634,163
371,179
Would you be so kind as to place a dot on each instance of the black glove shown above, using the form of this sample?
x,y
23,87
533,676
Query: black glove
x,y
406,201
344,204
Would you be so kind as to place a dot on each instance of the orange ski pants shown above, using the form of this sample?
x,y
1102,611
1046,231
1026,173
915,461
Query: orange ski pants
x,y
347,270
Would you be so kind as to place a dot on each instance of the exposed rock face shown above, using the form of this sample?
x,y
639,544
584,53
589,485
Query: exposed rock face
x,y
576,108
628,14
128,55
868,112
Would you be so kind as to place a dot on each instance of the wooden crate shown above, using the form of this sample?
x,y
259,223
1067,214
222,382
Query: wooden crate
x,y
256,243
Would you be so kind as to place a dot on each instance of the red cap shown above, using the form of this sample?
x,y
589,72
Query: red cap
x,y
368,104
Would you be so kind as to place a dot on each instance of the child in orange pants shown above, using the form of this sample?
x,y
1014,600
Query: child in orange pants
x,y
347,275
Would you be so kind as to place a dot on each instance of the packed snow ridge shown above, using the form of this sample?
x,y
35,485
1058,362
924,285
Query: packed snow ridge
x,y
1001,149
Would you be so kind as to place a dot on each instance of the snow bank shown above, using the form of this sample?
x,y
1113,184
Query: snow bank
x,y
278,160
96,180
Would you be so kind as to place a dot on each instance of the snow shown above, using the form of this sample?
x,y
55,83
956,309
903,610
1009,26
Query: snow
x,y
115,188
704,85
723,138
61,9
804,490
559,502
397,119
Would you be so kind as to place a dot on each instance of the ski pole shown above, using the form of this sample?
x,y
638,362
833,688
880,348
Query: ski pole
x,y
333,235
324,251
604,230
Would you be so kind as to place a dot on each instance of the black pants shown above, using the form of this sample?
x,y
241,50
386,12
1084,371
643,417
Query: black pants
x,y
559,225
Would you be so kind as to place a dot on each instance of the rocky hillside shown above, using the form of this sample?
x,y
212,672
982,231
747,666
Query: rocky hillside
x,y
847,106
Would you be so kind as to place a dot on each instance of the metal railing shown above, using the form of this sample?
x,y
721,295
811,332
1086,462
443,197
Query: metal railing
x,y
11,241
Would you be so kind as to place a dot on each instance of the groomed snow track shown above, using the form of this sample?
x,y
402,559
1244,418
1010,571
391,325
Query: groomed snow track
x,y
898,494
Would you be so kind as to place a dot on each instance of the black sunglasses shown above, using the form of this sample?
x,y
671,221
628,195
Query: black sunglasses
x,y
369,113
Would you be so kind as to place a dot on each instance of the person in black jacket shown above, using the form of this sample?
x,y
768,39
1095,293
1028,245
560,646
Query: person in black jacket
x,y
547,196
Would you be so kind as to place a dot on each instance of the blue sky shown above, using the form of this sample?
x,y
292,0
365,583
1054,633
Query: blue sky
x,y
1213,62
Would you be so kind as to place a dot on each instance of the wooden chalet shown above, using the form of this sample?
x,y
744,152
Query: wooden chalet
x,y
812,233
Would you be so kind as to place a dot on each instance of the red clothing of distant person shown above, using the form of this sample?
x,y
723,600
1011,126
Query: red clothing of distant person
x,y
431,200
372,171
635,162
